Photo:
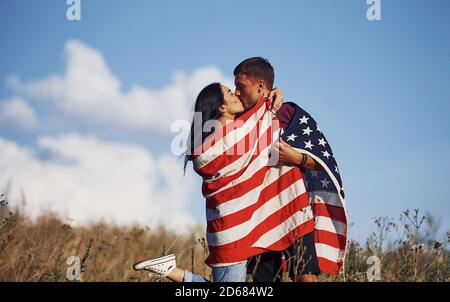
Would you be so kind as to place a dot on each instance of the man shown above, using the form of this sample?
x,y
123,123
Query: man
x,y
254,78
322,233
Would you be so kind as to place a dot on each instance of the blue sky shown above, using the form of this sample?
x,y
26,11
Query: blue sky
x,y
379,90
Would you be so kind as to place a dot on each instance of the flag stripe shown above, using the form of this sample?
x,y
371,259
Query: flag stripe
x,y
330,198
253,191
330,238
251,186
322,209
259,138
212,188
330,225
270,222
239,253
328,252
298,218
329,266
262,214
214,145
251,206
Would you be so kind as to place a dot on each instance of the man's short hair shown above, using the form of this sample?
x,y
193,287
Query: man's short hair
x,y
257,68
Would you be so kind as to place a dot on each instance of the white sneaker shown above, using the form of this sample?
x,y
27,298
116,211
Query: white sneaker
x,y
161,266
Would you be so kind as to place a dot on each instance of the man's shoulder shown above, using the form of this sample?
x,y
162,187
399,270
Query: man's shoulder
x,y
286,113
289,107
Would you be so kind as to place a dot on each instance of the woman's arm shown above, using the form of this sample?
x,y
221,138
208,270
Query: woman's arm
x,y
276,97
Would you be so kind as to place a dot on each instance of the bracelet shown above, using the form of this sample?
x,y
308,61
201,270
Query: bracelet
x,y
304,159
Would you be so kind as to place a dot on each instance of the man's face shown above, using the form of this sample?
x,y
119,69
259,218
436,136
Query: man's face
x,y
247,90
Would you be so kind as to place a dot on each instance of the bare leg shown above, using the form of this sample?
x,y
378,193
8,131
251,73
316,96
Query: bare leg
x,y
177,275
306,278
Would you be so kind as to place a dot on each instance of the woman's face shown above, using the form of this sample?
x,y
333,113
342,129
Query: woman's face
x,y
231,103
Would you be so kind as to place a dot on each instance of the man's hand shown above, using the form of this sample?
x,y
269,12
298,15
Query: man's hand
x,y
289,156
276,94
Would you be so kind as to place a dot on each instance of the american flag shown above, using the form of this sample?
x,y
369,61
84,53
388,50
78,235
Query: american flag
x,y
251,206
325,190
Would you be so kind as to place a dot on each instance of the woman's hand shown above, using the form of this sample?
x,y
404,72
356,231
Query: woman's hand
x,y
276,94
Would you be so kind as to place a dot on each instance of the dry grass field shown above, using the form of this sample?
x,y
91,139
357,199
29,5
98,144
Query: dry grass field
x,y
39,250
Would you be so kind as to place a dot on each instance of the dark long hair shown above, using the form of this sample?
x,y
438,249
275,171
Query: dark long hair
x,y
207,103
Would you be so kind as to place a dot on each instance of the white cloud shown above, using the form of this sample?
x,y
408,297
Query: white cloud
x,y
87,180
88,89
17,112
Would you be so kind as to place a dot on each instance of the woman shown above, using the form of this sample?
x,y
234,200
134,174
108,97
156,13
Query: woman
x,y
216,103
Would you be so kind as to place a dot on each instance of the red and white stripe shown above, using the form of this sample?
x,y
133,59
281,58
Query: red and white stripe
x,y
330,231
251,207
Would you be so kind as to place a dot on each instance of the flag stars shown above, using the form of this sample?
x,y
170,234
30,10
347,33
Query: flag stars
x,y
318,129
304,120
326,154
315,174
325,183
309,145
307,131
291,137
322,142
336,169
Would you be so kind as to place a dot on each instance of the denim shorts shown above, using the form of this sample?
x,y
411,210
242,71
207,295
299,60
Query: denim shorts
x,y
231,273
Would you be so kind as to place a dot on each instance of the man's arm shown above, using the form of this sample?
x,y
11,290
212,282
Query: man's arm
x,y
291,157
